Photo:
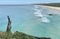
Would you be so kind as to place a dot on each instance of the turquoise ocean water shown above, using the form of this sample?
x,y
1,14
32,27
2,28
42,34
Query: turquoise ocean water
x,y
32,20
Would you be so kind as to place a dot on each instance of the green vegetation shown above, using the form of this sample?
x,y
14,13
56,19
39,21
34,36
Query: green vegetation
x,y
15,35
51,4
20,35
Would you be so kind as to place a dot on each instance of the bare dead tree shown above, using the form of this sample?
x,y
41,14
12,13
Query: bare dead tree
x,y
8,30
9,25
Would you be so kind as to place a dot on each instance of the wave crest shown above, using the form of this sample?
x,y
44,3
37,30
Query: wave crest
x,y
38,13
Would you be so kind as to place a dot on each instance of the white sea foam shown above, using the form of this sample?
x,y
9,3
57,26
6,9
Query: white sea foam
x,y
38,13
44,19
36,6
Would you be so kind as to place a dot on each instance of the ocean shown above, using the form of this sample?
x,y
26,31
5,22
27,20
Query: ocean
x,y
31,19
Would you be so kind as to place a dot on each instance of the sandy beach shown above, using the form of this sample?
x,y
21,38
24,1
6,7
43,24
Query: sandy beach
x,y
56,9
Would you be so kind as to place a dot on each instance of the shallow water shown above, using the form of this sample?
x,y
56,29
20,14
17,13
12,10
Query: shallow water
x,y
32,20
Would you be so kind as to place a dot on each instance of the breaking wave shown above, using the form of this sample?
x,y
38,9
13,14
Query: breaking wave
x,y
38,13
